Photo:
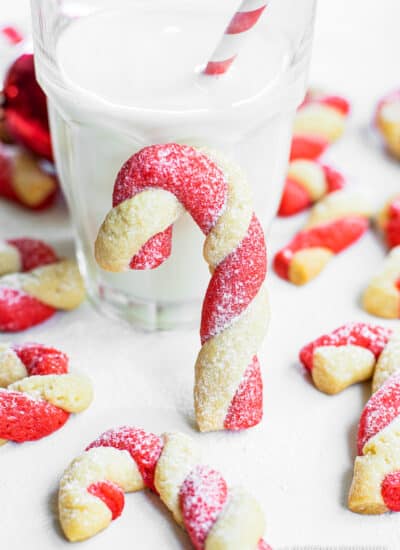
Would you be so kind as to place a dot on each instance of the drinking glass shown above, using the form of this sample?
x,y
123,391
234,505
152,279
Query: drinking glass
x,y
123,74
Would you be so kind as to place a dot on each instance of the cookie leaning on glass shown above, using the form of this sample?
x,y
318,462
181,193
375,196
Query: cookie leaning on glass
x,y
149,193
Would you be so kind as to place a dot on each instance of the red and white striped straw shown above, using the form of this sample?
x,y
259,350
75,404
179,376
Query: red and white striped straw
x,y
228,48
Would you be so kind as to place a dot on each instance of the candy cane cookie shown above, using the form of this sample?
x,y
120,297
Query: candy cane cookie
x,y
320,121
27,299
307,182
387,121
335,223
25,179
345,356
24,254
375,488
128,459
382,296
149,192
37,393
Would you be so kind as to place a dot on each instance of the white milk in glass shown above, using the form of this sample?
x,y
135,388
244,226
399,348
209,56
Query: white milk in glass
x,y
132,77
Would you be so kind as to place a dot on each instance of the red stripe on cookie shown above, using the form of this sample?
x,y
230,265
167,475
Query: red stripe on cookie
x,y
235,282
111,494
381,409
40,360
307,147
336,102
33,252
19,311
334,179
390,491
392,228
246,408
23,418
295,198
202,497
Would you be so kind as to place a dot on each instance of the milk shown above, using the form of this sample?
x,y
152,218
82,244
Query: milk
x,y
132,77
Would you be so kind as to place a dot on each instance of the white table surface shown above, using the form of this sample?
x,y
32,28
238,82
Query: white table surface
x,y
299,461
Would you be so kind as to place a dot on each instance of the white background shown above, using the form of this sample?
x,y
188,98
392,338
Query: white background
x,y
299,461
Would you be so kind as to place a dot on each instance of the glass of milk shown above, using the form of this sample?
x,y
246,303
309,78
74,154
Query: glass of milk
x,y
124,74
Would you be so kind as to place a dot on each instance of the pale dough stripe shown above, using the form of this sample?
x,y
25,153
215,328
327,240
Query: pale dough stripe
x,y
10,258
382,296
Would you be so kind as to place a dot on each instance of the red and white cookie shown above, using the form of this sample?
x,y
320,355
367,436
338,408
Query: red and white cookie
x,y
150,192
375,488
351,354
36,284
128,459
38,394
387,121
335,223
307,181
345,356
320,121
25,179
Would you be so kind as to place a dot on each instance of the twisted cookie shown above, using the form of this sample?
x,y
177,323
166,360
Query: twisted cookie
x,y
375,488
382,296
307,182
345,356
319,121
39,393
335,223
129,459
351,354
40,283
150,190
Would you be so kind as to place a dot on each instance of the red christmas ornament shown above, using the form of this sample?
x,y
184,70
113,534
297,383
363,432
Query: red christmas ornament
x,y
25,108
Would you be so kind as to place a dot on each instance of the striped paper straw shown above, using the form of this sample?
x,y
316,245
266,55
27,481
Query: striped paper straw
x,y
241,23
